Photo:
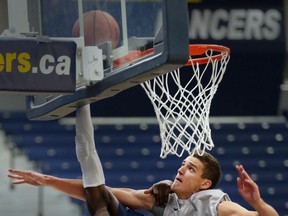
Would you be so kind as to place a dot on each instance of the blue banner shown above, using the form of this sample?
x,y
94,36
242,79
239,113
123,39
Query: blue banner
x,y
35,66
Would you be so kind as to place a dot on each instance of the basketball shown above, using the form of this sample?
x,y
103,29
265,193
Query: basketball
x,y
99,27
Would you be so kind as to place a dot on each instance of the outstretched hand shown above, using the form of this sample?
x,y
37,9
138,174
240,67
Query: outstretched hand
x,y
27,177
247,188
160,191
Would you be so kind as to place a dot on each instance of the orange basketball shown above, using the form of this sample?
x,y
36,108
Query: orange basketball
x,y
99,27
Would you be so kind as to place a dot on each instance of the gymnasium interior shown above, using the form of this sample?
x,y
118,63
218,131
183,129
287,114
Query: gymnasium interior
x,y
248,119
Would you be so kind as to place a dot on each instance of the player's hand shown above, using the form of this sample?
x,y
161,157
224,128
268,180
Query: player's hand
x,y
160,191
27,177
247,188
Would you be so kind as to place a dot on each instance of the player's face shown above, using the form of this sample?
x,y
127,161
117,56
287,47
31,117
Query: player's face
x,y
188,179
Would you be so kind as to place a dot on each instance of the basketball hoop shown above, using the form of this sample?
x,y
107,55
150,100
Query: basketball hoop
x,y
182,105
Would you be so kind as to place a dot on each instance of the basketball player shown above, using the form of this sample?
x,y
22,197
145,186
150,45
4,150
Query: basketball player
x,y
193,190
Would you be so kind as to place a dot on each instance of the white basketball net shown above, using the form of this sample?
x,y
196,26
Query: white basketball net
x,y
182,106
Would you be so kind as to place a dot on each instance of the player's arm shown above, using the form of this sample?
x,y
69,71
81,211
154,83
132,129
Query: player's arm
x,y
249,190
134,199
74,188
157,194
71,187
228,208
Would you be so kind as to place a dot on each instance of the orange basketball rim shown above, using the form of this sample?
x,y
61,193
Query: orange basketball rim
x,y
198,54
198,50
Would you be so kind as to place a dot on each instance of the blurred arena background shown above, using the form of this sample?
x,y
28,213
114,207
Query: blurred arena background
x,y
248,117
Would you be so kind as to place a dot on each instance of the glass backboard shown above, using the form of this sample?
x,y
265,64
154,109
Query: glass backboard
x,y
119,44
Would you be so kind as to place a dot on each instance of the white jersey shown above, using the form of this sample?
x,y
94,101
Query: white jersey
x,y
203,203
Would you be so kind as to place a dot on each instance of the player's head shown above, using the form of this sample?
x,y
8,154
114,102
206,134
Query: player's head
x,y
211,168
196,173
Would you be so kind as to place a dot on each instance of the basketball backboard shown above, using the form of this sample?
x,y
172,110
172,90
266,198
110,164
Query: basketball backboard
x,y
151,38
